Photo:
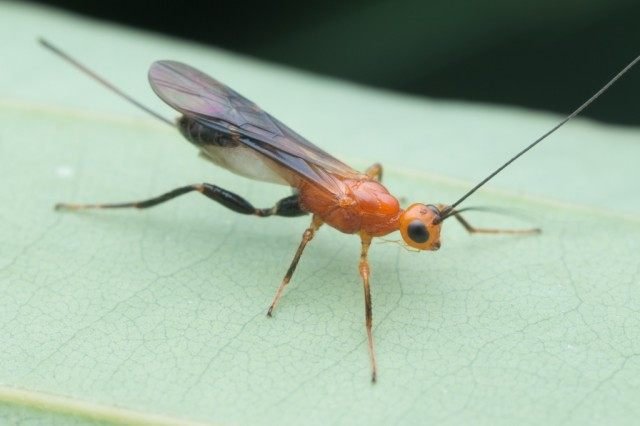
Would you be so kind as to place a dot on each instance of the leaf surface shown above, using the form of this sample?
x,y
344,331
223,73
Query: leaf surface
x,y
161,314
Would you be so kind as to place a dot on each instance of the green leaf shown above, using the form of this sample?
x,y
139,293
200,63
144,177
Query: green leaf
x,y
159,316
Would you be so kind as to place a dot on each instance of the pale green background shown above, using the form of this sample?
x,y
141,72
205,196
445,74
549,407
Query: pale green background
x,y
162,312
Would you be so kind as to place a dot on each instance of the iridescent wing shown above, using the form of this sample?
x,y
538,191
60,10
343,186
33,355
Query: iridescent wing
x,y
213,104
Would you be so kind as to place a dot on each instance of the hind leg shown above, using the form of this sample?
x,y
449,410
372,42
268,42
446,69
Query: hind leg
x,y
288,206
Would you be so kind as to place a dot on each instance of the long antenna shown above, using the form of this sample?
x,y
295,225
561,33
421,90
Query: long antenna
x,y
102,81
449,209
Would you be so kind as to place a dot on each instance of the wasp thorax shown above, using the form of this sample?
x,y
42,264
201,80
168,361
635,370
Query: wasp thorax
x,y
420,226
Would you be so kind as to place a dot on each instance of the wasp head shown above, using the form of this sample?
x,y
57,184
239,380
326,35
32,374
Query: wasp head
x,y
420,226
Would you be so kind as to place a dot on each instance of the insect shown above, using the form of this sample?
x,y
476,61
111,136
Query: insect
x,y
234,133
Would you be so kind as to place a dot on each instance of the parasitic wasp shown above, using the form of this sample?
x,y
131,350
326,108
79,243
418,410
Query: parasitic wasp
x,y
234,133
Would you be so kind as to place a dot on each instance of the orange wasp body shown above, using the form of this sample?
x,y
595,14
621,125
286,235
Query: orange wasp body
x,y
234,133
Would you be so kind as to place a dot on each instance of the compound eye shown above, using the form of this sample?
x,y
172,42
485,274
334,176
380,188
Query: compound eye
x,y
417,231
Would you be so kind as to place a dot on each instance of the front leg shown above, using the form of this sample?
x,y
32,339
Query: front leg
x,y
473,230
364,273
316,222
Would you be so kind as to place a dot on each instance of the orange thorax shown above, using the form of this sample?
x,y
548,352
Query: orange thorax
x,y
361,205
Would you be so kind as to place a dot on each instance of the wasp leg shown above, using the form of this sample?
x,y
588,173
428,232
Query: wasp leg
x,y
364,273
286,207
473,230
306,237
375,172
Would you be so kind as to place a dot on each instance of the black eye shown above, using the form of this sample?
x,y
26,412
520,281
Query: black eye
x,y
418,232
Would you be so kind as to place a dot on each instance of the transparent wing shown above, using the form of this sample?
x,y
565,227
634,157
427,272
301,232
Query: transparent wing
x,y
210,102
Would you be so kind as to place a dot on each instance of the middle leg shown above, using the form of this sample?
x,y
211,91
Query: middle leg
x,y
364,273
375,172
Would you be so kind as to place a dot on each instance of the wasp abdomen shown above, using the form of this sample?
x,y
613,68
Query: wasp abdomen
x,y
201,135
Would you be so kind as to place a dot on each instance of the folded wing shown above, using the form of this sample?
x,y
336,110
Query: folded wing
x,y
215,105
